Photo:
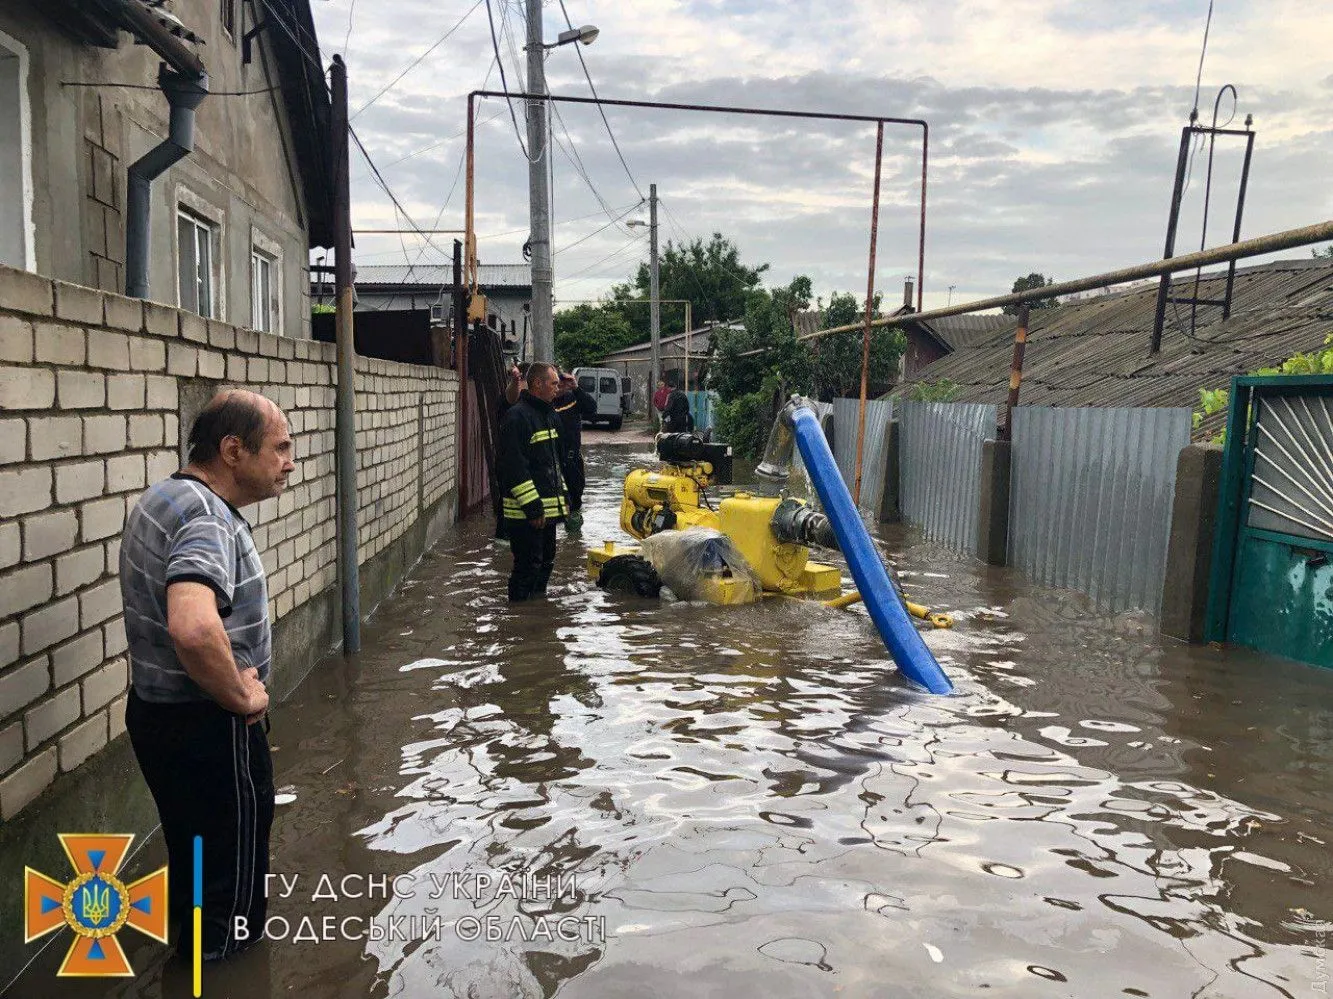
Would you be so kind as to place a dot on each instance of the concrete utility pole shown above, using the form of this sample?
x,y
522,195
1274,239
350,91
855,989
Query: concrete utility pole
x,y
654,291
349,571
539,194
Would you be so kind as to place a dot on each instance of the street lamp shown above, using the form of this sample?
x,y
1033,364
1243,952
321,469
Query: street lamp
x,y
539,191
586,34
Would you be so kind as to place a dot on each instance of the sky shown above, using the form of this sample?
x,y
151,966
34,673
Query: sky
x,y
1054,130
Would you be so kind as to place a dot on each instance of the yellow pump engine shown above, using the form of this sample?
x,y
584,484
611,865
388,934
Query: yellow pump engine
x,y
772,533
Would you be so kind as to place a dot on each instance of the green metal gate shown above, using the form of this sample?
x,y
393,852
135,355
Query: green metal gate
x,y
1271,585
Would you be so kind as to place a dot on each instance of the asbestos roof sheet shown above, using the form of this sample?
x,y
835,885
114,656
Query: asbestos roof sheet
x,y
968,331
1094,352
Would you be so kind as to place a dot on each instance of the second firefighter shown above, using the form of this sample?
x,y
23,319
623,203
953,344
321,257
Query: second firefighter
x,y
532,483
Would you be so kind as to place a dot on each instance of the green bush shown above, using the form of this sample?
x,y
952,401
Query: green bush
x,y
745,421
941,390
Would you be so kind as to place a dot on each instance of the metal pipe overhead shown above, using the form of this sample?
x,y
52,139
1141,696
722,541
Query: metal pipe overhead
x,y
880,120
1272,243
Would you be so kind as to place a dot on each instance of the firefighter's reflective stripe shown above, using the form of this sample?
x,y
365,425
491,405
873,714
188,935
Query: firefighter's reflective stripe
x,y
524,493
552,506
543,435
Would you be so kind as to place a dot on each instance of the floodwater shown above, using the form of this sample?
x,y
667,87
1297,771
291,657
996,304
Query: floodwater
x,y
601,796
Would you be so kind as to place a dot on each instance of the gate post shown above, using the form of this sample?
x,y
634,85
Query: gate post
x,y
889,510
993,519
1189,556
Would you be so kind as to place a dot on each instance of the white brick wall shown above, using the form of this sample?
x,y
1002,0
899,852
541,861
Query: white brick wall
x,y
90,395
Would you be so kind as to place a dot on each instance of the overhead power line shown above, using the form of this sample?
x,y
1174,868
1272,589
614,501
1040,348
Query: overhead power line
x,y
584,239
384,186
504,84
615,253
576,161
600,110
419,59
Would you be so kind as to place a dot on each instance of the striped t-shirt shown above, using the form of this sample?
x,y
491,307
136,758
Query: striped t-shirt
x,y
181,530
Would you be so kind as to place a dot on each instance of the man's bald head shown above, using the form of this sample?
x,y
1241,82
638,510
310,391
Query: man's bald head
x,y
242,446
231,413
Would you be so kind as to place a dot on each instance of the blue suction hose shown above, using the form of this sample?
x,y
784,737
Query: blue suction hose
x,y
886,608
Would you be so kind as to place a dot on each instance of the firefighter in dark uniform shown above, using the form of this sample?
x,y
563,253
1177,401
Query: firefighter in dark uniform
x,y
532,483
572,405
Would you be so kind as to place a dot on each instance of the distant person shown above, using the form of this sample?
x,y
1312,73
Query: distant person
x,y
661,395
676,416
196,618
572,405
532,484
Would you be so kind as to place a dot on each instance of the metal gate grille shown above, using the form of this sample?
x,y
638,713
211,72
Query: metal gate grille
x,y
1291,488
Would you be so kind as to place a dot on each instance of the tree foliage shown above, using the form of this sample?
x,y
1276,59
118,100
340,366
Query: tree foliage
x,y
1317,362
709,275
940,390
769,325
837,357
1325,252
585,334
1033,280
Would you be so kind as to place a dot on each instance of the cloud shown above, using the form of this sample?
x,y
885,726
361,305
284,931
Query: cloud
x,y
1053,130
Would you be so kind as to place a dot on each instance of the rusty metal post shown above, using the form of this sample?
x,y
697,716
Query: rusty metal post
x,y
469,236
1172,220
870,313
1015,373
687,345
921,240
1240,210
461,321
349,570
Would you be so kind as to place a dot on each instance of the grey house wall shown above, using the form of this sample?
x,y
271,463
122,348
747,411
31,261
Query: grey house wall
x,y
242,174
96,391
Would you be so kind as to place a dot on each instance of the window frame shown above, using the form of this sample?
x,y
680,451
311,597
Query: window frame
x,y
262,247
27,218
227,14
207,216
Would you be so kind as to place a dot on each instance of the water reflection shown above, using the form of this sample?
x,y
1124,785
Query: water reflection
x,y
750,798
749,801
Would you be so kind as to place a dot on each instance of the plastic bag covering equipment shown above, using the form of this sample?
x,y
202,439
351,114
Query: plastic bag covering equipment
x,y
886,608
692,564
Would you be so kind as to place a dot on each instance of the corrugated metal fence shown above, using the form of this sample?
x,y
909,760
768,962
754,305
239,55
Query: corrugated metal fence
x,y
1091,493
940,467
846,413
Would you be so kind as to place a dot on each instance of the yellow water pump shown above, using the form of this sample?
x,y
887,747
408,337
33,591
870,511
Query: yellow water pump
x,y
772,533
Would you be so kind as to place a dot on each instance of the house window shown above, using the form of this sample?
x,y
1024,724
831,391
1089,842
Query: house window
x,y
199,280
263,292
16,228
229,17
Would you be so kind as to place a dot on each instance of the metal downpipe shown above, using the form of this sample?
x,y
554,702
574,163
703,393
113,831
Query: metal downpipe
x,y
184,93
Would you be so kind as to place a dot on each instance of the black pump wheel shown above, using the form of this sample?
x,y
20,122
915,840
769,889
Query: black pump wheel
x,y
630,574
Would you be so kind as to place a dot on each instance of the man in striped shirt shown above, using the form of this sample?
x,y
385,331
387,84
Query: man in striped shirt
x,y
196,617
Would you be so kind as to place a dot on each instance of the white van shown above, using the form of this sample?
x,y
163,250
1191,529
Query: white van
x,y
611,391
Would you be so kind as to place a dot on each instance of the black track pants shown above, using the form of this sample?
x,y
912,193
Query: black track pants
x,y
534,557
211,775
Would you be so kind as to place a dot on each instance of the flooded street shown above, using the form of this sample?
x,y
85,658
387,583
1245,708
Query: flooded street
x,y
748,801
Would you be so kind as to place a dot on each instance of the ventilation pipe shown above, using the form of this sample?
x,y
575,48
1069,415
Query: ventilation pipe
x,y
184,92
